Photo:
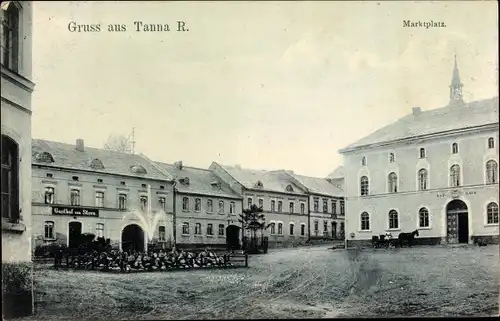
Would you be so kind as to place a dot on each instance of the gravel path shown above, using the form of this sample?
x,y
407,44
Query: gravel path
x,y
289,283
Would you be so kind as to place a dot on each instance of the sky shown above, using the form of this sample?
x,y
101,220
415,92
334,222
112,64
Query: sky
x,y
266,85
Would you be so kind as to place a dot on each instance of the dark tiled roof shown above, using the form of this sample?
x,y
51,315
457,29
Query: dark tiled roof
x,y
273,181
319,185
444,119
67,156
201,181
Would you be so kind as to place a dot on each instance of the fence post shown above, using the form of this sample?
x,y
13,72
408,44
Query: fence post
x,y
225,260
246,260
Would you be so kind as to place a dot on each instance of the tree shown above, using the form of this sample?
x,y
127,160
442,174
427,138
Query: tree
x,y
253,220
118,143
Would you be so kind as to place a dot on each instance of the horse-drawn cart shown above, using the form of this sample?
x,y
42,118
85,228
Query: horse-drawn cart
x,y
381,241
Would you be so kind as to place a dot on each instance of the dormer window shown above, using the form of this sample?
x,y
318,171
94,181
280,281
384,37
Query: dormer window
x,y
363,161
184,181
454,148
391,158
138,169
259,184
44,157
215,184
96,164
289,188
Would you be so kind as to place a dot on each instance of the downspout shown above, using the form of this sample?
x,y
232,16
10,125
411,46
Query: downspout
x,y
309,219
174,217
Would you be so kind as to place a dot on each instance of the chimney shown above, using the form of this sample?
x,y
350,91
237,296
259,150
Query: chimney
x,y
416,110
178,165
79,145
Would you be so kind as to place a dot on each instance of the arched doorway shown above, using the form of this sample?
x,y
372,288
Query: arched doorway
x,y
457,221
334,230
74,234
132,238
233,237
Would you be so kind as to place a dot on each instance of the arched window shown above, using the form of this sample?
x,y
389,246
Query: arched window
x,y
289,188
10,182
393,219
422,152
492,212
44,157
185,228
491,172
96,164
455,175
197,229
454,148
393,183
391,158
363,161
292,228
138,169
423,217
365,221
185,204
259,184
422,179
49,230
280,228
161,233
273,228
491,142
364,186
221,206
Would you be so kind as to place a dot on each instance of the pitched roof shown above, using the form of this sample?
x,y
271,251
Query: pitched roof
x,y
272,181
337,173
201,181
56,154
318,185
449,118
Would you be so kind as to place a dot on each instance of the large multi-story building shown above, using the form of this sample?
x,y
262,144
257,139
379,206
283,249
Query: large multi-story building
x,y
118,196
17,271
434,171
207,209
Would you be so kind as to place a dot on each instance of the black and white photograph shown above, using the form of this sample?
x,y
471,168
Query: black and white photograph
x,y
188,160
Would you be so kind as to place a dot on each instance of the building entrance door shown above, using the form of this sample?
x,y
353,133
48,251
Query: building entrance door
x,y
334,230
457,222
74,234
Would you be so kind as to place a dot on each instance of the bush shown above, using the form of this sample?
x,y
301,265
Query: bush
x,y
48,249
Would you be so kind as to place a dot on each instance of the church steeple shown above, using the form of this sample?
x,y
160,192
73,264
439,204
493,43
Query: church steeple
x,y
456,86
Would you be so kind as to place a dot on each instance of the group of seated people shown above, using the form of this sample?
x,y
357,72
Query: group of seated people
x,y
132,260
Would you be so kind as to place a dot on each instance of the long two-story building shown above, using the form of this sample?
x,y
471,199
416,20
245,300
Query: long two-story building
x,y
435,171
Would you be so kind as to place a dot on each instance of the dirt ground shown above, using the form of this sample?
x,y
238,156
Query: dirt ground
x,y
288,283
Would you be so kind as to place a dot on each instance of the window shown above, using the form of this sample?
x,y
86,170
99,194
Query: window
x,y
423,217
302,208
393,183
75,197
10,36
49,195
422,179
261,203
273,205
291,228
273,228
316,226
197,229
325,206
325,227
334,207
210,229
144,203
316,204
185,228
122,201
99,199
455,175
161,234
99,230
210,206
492,211
491,172
422,152
163,202
280,228
292,207
289,188
365,221
342,208
280,206
197,204
232,208
391,158
491,142
393,219
221,207
221,229
49,230
250,201
302,229
364,185
454,148
363,161
76,178
185,204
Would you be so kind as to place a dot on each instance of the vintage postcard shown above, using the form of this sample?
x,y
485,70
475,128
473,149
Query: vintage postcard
x,y
249,159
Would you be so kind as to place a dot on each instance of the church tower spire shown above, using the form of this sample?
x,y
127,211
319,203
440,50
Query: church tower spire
x,y
456,86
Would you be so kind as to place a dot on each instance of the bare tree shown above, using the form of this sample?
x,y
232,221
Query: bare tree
x,y
118,143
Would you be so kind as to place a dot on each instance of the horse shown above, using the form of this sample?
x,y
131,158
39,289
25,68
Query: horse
x,y
409,237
